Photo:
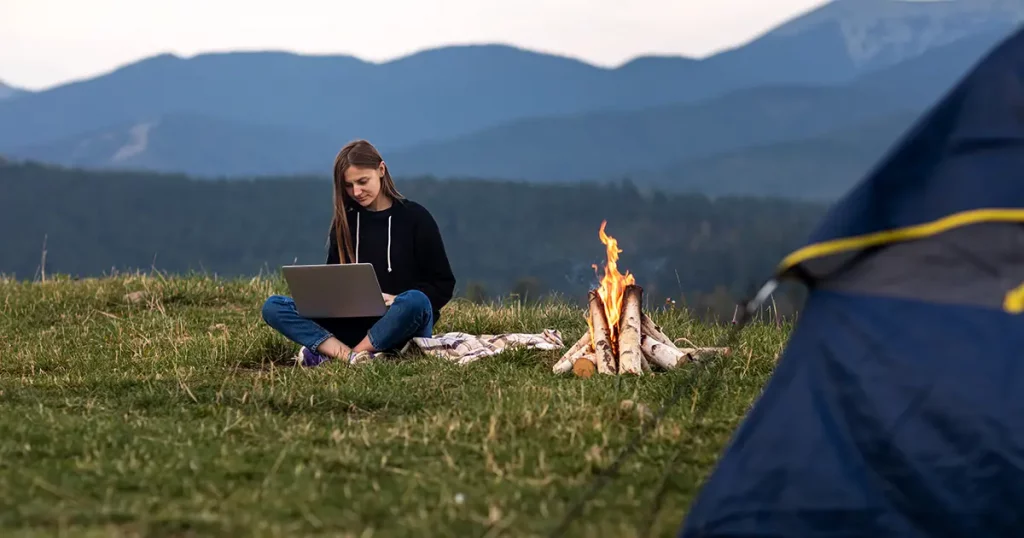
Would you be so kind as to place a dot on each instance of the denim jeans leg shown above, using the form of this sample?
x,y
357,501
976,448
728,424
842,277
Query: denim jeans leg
x,y
410,315
280,313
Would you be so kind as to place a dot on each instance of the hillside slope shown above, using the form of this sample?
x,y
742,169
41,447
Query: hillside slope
x,y
820,169
614,144
436,93
7,92
451,91
882,33
197,145
500,235
494,110
924,79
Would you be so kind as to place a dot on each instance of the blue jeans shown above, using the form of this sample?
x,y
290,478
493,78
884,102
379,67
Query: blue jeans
x,y
410,315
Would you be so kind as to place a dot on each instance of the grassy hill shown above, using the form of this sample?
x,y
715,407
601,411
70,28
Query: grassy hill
x,y
180,414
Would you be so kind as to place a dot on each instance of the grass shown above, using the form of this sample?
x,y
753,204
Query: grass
x,y
181,415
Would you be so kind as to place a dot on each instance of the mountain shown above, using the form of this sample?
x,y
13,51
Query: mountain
x,y
7,92
193,144
925,78
844,39
426,107
822,168
728,133
451,91
607,145
556,149
627,140
433,94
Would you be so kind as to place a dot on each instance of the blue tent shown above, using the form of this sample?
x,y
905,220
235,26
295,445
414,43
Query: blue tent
x,y
897,408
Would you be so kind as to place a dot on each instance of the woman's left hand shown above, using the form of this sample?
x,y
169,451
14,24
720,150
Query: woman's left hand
x,y
388,299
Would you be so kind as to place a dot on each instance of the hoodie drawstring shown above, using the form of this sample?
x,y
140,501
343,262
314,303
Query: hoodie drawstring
x,y
389,240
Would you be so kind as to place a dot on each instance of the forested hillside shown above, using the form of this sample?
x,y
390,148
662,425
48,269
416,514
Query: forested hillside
x,y
502,237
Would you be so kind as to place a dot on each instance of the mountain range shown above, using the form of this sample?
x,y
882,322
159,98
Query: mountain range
x,y
7,92
826,91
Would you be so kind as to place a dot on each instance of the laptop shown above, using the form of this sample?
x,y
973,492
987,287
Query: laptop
x,y
335,291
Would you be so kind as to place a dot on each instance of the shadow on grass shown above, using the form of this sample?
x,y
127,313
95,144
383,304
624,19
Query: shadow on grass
x,y
267,354
277,353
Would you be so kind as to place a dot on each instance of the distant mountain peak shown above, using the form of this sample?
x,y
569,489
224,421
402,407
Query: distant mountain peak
x,y
884,32
6,91
657,60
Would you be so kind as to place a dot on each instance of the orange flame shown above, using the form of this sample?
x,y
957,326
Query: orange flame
x,y
613,285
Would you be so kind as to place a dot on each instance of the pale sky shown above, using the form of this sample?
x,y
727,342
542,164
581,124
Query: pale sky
x,y
47,42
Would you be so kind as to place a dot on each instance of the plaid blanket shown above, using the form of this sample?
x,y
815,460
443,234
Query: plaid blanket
x,y
465,348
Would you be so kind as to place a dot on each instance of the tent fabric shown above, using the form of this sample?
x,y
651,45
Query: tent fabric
x,y
885,417
973,265
961,163
897,407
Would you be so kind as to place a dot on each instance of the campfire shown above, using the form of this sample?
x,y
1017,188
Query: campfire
x,y
621,339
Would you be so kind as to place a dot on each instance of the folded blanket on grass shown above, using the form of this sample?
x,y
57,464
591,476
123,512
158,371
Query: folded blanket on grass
x,y
463,348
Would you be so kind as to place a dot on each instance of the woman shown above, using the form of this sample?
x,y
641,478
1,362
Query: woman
x,y
373,224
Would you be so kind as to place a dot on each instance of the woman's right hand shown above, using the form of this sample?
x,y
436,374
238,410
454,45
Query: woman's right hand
x,y
388,299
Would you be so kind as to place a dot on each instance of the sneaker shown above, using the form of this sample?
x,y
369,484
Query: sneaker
x,y
310,358
358,358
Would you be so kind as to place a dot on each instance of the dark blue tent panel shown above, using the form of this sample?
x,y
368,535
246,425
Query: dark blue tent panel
x,y
885,417
963,162
897,408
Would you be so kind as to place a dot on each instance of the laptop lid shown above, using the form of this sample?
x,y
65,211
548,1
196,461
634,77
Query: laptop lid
x,y
335,291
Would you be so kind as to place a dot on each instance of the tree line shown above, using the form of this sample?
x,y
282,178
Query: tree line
x,y
503,238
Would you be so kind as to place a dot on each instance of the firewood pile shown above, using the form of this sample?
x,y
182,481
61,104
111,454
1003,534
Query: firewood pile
x,y
631,343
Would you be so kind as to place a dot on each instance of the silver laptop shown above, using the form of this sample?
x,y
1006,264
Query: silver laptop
x,y
335,291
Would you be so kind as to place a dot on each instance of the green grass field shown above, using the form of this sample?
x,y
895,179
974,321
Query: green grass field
x,y
181,415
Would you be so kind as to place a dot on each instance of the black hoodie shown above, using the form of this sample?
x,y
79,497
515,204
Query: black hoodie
x,y
404,246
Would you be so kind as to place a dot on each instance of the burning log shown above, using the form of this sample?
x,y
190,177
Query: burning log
x,y
630,355
642,346
601,336
621,337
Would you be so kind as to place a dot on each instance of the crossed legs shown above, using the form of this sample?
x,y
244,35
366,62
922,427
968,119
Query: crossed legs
x,y
409,316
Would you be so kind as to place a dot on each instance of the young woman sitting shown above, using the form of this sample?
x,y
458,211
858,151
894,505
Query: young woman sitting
x,y
373,224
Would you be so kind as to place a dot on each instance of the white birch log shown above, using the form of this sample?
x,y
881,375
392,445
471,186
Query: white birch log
x,y
659,354
698,353
630,354
602,344
652,330
564,364
645,365
585,365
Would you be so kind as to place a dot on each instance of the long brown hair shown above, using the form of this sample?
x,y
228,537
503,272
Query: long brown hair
x,y
362,154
